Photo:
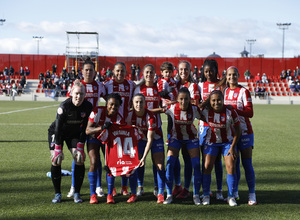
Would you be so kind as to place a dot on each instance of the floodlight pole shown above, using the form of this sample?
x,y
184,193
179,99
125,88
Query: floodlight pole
x,y
251,41
283,27
38,38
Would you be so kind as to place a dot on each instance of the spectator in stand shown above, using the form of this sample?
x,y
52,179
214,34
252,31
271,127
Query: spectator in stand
x,y
5,71
288,73
103,72
20,89
4,90
23,81
72,74
27,71
14,88
21,71
54,67
262,92
264,78
282,75
201,78
297,72
47,74
195,73
247,75
1,78
45,83
138,72
7,79
11,71
175,71
41,76
133,68
64,73
224,73
292,86
298,86
108,73
258,78
52,76
257,91
8,89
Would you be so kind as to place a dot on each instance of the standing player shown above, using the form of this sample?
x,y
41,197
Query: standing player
x,y
125,89
146,122
121,156
99,116
220,138
149,89
69,126
210,69
186,80
240,98
184,133
94,90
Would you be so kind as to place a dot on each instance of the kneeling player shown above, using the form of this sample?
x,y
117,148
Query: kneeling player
x,y
69,126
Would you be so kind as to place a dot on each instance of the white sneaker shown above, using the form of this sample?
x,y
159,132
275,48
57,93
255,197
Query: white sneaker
x,y
168,200
231,201
219,195
202,196
99,192
252,199
206,200
71,193
140,191
197,200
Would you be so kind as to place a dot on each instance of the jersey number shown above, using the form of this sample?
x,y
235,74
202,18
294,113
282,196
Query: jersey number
x,y
125,148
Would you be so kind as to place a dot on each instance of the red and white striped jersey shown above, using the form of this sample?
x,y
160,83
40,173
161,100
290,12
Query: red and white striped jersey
x,y
220,125
145,123
193,89
165,84
183,121
121,151
205,89
152,98
125,90
240,99
93,91
99,117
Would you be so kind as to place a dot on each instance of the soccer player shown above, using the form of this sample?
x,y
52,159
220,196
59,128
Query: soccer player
x,y
184,133
220,138
125,89
69,126
210,69
240,98
186,80
149,89
146,122
98,117
121,155
94,90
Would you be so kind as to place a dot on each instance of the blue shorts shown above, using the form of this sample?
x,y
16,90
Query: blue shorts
x,y
245,141
202,134
90,139
157,146
214,149
190,144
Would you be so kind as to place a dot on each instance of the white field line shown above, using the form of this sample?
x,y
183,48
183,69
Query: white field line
x,y
28,109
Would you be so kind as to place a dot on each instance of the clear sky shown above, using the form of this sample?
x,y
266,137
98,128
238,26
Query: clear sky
x,y
152,28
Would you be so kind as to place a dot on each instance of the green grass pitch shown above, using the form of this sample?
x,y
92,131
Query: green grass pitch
x,y
26,192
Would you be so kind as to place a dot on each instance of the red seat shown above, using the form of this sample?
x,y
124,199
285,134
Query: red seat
x,y
276,89
278,93
275,84
39,86
286,85
37,91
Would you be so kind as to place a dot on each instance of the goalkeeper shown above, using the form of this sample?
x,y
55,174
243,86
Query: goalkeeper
x,y
69,126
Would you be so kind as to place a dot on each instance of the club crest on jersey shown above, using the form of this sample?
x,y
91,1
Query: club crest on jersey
x,y
126,88
82,114
144,123
95,87
235,95
223,118
189,116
